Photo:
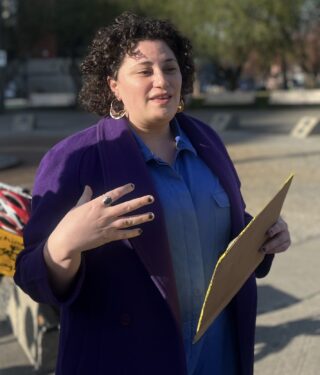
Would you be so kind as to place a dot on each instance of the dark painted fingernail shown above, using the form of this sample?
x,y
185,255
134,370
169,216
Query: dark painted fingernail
x,y
151,216
150,199
132,186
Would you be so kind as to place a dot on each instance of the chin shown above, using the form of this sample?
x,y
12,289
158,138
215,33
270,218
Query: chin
x,y
164,115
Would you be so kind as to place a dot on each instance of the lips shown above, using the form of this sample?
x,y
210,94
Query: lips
x,y
161,97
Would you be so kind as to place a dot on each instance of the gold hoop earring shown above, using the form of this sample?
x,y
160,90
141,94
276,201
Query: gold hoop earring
x,y
116,115
180,106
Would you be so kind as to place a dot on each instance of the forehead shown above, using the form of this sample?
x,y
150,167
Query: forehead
x,y
152,51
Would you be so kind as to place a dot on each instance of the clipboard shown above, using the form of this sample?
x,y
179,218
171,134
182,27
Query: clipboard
x,y
239,261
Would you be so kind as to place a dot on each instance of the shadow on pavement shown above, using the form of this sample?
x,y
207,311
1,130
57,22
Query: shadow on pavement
x,y
272,339
270,299
5,328
18,370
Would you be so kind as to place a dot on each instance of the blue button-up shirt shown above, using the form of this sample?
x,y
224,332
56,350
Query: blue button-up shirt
x,y
197,216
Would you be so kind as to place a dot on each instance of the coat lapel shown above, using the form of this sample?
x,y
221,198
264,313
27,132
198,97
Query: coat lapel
x,y
123,163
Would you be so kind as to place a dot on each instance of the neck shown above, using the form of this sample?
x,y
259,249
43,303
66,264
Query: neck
x,y
153,133
159,140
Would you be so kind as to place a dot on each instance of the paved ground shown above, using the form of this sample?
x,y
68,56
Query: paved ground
x,y
288,322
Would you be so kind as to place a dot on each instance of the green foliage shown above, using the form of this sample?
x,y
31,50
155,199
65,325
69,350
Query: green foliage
x,y
229,31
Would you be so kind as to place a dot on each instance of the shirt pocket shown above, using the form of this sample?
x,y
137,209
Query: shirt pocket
x,y
222,219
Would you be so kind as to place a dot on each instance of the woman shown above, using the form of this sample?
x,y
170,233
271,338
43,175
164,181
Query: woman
x,y
129,216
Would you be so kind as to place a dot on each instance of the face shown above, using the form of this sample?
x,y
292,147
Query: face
x,y
149,84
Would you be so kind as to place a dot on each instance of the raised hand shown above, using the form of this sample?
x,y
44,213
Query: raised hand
x,y
92,223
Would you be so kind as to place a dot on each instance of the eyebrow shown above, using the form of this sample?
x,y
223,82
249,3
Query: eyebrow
x,y
150,63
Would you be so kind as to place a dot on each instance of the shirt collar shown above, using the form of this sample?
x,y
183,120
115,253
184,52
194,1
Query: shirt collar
x,y
182,141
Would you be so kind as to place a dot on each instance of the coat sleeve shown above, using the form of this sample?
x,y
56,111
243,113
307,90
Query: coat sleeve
x,y
56,191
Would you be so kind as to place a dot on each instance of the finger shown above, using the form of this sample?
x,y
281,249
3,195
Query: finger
x,y
276,228
275,243
283,247
127,233
116,193
130,221
85,197
131,205
279,248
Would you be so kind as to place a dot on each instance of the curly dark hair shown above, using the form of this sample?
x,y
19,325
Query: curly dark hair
x,y
109,48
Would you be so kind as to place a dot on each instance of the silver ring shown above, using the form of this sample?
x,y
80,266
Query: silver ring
x,y
107,200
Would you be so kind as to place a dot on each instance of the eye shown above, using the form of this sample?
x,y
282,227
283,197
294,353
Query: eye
x,y
144,72
171,69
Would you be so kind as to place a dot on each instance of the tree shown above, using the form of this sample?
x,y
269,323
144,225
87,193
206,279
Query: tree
x,y
229,31
307,41
237,29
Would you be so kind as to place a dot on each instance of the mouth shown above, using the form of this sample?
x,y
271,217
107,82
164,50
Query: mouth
x,y
161,99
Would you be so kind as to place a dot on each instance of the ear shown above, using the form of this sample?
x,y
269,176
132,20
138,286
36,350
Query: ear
x,y
113,84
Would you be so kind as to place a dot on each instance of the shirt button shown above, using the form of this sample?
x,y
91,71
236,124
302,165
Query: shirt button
x,y
125,319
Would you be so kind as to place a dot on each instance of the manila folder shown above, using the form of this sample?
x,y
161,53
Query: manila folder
x,y
239,261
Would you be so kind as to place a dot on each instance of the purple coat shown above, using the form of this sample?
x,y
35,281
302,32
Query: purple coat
x,y
122,314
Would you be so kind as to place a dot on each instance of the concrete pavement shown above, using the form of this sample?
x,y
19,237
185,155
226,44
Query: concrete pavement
x,y
288,321
288,324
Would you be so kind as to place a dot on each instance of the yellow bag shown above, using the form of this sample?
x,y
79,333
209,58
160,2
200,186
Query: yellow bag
x,y
10,246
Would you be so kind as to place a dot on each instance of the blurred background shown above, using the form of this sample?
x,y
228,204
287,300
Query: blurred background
x,y
248,45
257,84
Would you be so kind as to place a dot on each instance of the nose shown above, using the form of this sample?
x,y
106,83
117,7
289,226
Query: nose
x,y
160,79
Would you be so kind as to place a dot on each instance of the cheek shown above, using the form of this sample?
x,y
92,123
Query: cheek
x,y
178,82
133,92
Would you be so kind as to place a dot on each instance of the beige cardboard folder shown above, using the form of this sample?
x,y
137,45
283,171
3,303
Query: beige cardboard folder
x,y
239,261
